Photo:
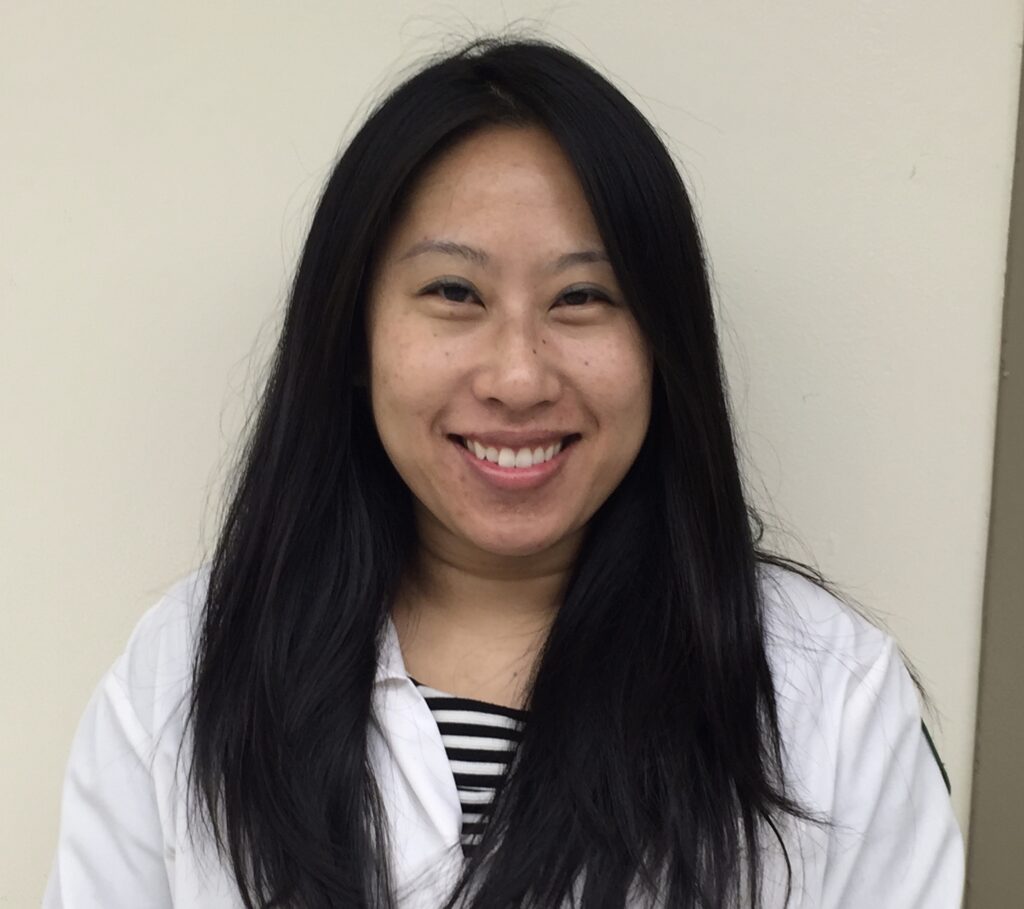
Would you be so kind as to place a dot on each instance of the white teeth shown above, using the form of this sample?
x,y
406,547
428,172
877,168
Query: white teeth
x,y
510,457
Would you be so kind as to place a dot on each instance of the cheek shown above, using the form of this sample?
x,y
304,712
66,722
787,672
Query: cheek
x,y
632,414
618,378
410,379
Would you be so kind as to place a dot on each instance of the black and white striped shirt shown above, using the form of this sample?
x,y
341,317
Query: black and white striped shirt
x,y
480,740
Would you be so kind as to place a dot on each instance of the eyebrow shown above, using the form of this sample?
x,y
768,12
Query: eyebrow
x,y
448,248
479,257
583,257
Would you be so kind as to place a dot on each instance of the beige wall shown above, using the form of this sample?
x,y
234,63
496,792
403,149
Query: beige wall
x,y
852,165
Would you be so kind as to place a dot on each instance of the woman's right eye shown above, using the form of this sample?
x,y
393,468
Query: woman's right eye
x,y
451,291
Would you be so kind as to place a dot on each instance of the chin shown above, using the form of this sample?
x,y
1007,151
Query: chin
x,y
511,543
522,550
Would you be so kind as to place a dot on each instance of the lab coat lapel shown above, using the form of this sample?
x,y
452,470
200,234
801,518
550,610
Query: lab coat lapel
x,y
416,782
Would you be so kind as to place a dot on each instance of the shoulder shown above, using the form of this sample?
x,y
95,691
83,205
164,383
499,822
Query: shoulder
x,y
837,675
122,804
806,625
153,673
856,755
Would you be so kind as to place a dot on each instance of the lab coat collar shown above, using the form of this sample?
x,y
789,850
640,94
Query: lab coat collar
x,y
390,664
416,780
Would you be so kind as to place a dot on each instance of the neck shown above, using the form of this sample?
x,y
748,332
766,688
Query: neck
x,y
472,622
476,591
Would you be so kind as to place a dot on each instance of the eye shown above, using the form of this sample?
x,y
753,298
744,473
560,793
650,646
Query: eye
x,y
452,291
579,296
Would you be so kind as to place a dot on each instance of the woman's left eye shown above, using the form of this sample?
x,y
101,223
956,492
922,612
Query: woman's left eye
x,y
578,296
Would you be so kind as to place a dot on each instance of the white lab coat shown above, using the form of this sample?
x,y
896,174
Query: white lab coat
x,y
849,715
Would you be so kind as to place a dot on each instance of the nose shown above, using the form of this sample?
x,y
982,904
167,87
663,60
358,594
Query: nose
x,y
518,369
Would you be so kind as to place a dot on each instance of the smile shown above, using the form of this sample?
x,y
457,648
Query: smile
x,y
515,469
514,457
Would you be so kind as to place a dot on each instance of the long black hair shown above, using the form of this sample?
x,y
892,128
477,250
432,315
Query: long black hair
x,y
652,754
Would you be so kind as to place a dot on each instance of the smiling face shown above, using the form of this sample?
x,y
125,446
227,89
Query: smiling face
x,y
510,384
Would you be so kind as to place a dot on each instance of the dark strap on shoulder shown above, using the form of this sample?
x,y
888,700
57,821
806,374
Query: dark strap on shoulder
x,y
935,754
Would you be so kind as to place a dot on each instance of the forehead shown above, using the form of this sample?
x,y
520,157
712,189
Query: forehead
x,y
500,180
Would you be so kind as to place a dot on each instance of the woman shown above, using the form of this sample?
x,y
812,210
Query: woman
x,y
487,624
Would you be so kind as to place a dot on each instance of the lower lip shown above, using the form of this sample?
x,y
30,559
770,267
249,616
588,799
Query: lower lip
x,y
514,478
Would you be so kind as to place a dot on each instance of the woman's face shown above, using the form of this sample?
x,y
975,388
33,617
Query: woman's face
x,y
511,386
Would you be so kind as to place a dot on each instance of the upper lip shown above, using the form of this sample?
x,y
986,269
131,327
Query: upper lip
x,y
511,438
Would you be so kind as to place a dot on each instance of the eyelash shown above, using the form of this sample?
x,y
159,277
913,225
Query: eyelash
x,y
438,287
